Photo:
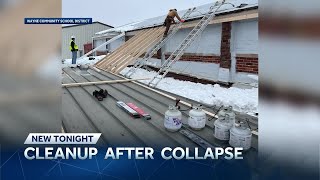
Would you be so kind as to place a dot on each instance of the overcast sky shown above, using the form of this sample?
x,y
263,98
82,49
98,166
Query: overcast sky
x,y
120,12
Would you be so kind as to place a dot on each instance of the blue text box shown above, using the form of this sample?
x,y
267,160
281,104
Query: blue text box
x,y
58,20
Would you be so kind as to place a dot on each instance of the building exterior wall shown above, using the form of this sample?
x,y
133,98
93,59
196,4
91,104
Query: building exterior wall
x,y
117,43
207,43
202,70
247,63
99,42
83,35
225,52
102,50
208,58
245,46
246,38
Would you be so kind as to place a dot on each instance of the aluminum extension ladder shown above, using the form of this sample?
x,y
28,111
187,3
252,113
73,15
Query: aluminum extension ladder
x,y
159,45
197,30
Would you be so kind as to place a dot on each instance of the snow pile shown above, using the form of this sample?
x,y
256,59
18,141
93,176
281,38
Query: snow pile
x,y
223,75
254,77
83,61
149,63
242,100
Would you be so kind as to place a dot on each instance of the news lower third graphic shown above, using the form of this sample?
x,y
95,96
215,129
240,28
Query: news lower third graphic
x,y
52,155
84,153
58,20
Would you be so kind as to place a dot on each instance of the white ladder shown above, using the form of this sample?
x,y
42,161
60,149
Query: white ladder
x,y
155,49
197,30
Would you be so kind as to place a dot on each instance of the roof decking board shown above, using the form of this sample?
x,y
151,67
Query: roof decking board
x,y
131,50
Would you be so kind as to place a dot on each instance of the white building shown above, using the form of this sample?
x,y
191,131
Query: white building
x,y
227,50
83,35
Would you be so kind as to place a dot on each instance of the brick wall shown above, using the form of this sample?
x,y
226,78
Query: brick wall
x,y
87,47
198,58
225,45
247,63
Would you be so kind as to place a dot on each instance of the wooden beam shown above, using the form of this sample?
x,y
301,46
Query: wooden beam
x,y
151,41
143,49
135,47
102,82
129,45
125,50
121,48
226,18
129,49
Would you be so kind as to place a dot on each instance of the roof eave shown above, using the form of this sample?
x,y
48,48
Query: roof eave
x,y
75,25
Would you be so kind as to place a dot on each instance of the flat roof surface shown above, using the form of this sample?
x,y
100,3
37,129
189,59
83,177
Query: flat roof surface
x,y
84,113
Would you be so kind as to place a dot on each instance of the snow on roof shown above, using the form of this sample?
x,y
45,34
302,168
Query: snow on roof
x,y
122,28
200,11
207,94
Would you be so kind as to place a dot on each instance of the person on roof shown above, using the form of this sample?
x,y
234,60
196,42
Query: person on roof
x,y
74,49
170,20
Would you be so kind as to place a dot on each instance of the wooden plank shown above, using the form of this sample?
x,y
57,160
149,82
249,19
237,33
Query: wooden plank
x,y
125,50
128,50
131,49
134,50
117,51
151,43
129,44
101,82
124,63
236,18
168,96
225,18
142,47
156,32
122,47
